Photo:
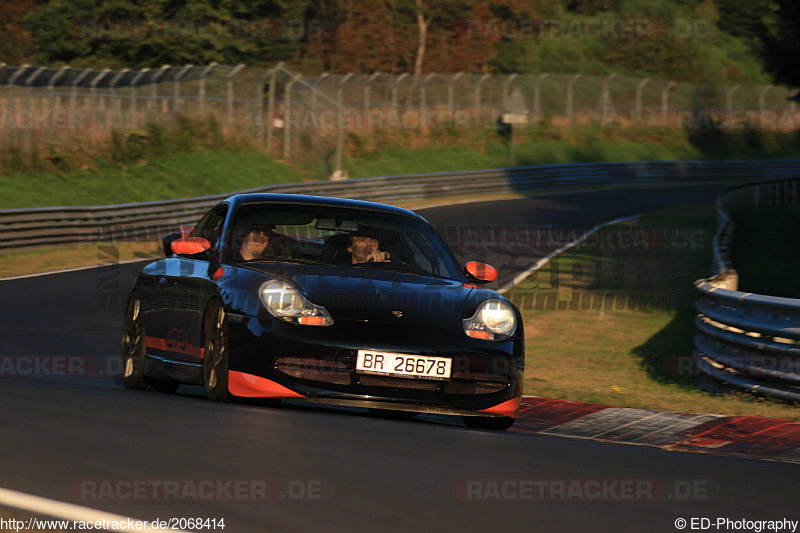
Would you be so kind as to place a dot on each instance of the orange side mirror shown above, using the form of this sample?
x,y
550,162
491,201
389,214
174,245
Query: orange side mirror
x,y
481,271
190,245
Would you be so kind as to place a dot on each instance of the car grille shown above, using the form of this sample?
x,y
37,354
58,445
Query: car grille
x,y
319,370
398,383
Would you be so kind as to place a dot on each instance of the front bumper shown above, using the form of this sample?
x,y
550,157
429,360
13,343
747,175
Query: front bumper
x,y
272,359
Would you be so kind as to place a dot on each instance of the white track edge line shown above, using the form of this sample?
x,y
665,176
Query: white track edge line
x,y
519,278
68,511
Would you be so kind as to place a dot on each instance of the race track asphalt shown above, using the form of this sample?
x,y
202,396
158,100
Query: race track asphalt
x,y
65,436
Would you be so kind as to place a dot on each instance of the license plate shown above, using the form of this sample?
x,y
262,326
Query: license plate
x,y
403,365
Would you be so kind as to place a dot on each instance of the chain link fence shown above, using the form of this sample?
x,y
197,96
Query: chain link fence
x,y
289,114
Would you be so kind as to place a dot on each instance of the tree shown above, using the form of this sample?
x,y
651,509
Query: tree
x,y
781,50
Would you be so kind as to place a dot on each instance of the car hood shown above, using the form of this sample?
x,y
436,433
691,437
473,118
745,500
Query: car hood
x,y
373,295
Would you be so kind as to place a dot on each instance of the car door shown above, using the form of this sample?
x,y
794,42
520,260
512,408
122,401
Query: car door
x,y
184,288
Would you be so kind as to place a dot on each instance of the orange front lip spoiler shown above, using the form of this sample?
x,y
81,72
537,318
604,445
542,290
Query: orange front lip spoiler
x,y
509,408
250,386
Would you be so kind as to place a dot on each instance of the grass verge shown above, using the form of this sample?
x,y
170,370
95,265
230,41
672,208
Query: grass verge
x,y
611,321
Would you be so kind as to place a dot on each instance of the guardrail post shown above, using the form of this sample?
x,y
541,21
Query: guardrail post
x,y
340,123
665,101
570,91
638,111
229,90
537,97
606,98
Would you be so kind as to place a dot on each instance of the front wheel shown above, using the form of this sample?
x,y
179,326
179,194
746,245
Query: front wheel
x,y
495,423
215,353
133,346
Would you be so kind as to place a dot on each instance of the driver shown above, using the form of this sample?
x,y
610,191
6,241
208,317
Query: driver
x,y
259,240
365,247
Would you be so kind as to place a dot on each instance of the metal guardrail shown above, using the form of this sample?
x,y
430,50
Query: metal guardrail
x,y
748,340
58,226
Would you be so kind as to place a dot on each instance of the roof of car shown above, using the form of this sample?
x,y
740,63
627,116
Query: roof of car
x,y
307,199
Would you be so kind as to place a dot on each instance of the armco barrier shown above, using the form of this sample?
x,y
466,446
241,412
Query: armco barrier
x,y
748,340
28,228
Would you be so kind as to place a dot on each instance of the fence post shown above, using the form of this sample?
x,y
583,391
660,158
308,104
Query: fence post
x,y
73,96
423,102
29,104
176,89
451,93
113,87
10,101
570,85
154,89
639,88
505,90
606,98
367,88
340,123
287,119
729,102
273,73
537,97
319,82
51,86
93,89
229,86
665,101
397,80
201,91
134,96
762,96
478,97
259,118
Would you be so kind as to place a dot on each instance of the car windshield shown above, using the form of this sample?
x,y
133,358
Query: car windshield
x,y
338,236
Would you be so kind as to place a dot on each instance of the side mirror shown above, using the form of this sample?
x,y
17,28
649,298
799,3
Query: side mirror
x,y
166,242
480,272
190,245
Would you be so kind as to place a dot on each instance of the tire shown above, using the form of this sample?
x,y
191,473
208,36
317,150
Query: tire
x,y
133,346
215,354
493,423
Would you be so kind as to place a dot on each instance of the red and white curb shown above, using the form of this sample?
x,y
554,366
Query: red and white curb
x,y
746,436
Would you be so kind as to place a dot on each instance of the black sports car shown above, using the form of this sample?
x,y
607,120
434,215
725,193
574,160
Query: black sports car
x,y
329,301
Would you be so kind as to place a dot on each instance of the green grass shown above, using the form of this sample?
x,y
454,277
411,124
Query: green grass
x,y
765,251
180,175
618,325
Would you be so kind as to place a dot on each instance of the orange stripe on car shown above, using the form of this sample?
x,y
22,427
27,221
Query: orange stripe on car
x,y
250,386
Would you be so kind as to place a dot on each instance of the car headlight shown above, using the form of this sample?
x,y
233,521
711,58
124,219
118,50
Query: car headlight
x,y
494,320
285,302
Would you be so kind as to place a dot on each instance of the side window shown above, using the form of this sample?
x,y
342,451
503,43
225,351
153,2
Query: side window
x,y
210,227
